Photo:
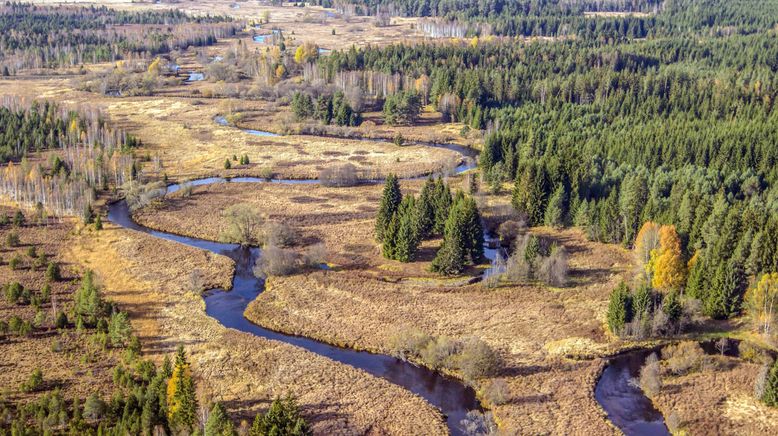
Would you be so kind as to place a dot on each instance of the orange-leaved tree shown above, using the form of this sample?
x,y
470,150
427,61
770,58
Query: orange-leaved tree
x,y
668,267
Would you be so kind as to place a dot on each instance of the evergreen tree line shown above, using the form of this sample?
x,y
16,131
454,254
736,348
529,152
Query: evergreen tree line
x,y
48,37
325,108
711,78
403,222
554,18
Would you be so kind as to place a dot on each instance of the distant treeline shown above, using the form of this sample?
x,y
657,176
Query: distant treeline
x,y
565,17
46,37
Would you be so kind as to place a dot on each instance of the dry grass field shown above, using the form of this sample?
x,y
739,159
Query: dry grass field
x,y
365,299
68,359
149,278
717,400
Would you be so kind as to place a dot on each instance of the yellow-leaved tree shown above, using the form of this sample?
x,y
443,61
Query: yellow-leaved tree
x,y
669,269
762,303
646,241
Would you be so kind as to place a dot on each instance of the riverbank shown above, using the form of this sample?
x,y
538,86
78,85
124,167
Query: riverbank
x,y
149,277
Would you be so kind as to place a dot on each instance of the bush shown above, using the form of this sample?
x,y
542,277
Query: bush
x,y
407,344
12,239
553,269
35,381
477,359
280,234
441,353
510,230
339,176
650,379
683,357
497,392
52,272
61,321
94,407
119,329
15,262
13,292
315,255
276,261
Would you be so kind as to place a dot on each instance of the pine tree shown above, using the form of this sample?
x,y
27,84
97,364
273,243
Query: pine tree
x,y
390,202
619,309
556,210
726,291
697,283
283,418
671,306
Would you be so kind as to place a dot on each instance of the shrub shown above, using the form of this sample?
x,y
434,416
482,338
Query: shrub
x,y
406,344
315,255
650,380
18,220
243,224
15,262
683,357
510,230
32,252
53,272
94,407
276,261
280,234
339,176
478,359
553,269
478,423
440,353
12,239
33,383
497,392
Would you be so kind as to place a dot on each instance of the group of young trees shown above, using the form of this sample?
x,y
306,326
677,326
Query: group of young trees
x,y
403,222
89,155
49,37
326,109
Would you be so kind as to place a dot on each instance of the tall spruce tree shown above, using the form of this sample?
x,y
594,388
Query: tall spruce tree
x,y
390,202
442,201
557,208
426,209
406,237
619,308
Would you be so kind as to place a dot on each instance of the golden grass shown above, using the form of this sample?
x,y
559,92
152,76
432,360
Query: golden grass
x,y
148,277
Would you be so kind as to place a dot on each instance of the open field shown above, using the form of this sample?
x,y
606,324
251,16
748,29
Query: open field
x,y
149,278
183,134
719,399
69,360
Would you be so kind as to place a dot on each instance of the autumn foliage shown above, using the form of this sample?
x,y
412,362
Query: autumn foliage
x,y
669,268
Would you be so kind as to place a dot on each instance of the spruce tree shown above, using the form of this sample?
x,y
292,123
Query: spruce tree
x,y
556,210
390,202
473,229
529,193
181,397
442,202
406,237
219,423
451,256
425,214
619,309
